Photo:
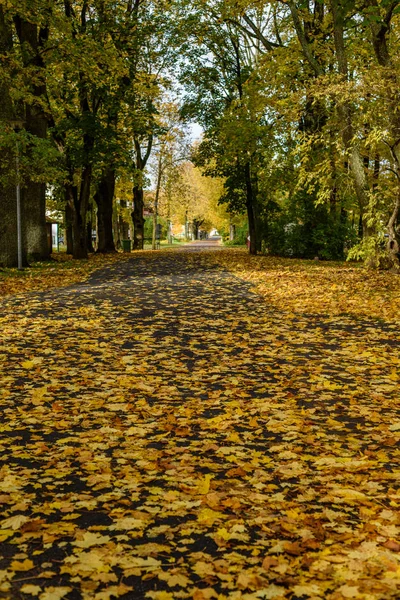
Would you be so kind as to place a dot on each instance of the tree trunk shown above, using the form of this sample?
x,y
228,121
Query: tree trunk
x,y
345,111
138,195
250,206
34,193
8,179
8,211
89,231
81,203
156,200
36,123
393,247
69,218
78,202
380,29
79,236
104,198
34,202
123,226
137,218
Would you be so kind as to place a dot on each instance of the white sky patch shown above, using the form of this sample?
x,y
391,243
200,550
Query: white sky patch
x,y
196,131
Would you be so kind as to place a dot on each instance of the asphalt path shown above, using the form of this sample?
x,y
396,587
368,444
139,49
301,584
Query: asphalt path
x,y
162,437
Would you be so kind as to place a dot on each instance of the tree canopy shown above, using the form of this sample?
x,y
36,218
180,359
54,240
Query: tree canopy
x,y
299,103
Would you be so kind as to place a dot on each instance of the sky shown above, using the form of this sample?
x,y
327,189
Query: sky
x,y
196,131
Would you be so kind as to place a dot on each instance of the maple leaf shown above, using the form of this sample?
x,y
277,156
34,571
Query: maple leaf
x,y
14,522
28,364
32,590
113,592
204,485
89,539
205,594
207,516
160,595
25,565
311,589
174,579
349,591
54,593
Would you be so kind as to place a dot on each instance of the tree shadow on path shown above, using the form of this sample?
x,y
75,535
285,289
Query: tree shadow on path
x,y
167,434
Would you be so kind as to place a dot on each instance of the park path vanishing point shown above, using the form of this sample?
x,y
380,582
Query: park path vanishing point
x,y
167,434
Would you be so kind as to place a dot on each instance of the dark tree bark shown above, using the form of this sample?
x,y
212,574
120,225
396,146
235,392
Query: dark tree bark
x,y
78,196
123,226
251,196
345,111
138,196
89,232
380,30
8,203
137,218
69,218
80,205
32,40
197,223
104,198
250,206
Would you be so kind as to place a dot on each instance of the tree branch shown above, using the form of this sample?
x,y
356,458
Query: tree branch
x,y
303,40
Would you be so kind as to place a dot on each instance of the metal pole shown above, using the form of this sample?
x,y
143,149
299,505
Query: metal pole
x,y
19,227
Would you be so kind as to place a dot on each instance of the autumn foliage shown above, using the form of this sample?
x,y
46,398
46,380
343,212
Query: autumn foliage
x,y
197,425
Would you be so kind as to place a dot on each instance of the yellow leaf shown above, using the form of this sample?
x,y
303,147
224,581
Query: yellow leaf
x,y
208,516
128,523
92,561
272,591
234,437
33,590
28,364
223,533
115,591
206,594
310,589
349,591
53,593
5,533
348,493
174,579
26,565
91,539
204,485
203,569
14,522
160,596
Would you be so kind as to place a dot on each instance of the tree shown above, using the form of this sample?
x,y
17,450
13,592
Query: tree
x,y
8,212
220,102
25,31
171,148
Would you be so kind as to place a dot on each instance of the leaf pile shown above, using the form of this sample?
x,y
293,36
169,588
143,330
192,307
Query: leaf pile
x,y
316,286
169,434
61,271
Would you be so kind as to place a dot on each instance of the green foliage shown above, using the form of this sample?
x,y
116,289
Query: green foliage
x,y
241,234
148,227
372,251
303,230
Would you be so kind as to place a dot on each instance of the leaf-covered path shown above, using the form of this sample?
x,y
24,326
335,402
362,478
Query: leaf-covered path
x,y
167,434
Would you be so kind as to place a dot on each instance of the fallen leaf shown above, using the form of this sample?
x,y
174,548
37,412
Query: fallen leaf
x,y
25,565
